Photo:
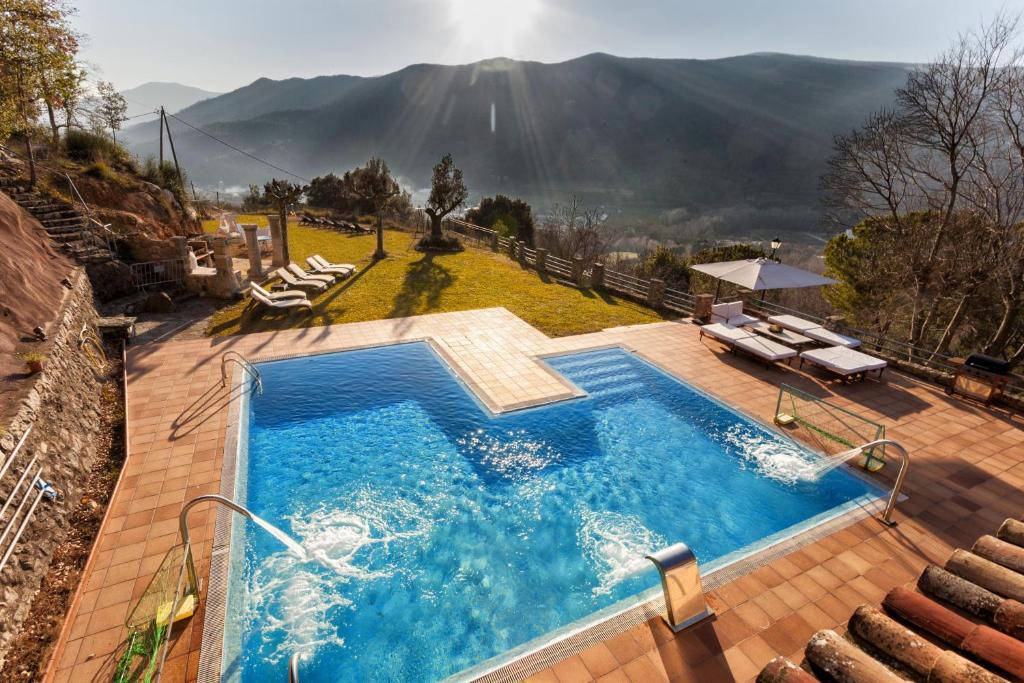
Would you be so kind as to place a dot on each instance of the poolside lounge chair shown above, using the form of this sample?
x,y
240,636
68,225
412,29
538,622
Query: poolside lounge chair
x,y
260,296
848,364
277,296
814,330
738,339
301,274
295,283
321,265
731,314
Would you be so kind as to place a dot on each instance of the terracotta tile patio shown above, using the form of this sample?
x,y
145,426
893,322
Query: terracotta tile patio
x,y
966,477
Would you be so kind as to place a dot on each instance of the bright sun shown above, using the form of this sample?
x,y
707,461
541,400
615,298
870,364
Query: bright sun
x,y
498,23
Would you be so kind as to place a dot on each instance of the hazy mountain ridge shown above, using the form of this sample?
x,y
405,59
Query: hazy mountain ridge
x,y
698,135
172,96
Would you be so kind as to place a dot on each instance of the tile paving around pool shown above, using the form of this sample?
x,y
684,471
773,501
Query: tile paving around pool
x,y
966,476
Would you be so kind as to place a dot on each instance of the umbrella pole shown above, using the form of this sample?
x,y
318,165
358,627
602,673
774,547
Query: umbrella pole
x,y
764,293
718,287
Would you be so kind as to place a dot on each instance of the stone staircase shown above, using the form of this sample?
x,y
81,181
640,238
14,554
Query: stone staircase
x,y
67,227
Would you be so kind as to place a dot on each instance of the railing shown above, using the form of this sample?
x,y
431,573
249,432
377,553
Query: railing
x,y
27,507
558,266
151,273
236,357
898,484
627,284
105,238
681,302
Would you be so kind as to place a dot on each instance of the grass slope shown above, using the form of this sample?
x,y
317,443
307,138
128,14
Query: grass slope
x,y
412,283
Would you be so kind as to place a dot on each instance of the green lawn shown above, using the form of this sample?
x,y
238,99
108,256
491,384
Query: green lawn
x,y
411,283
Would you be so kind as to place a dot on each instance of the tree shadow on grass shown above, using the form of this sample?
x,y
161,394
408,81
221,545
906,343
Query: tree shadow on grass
x,y
421,289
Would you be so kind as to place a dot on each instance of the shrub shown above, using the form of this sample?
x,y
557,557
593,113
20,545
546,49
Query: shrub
x,y
165,175
88,147
515,215
443,243
99,169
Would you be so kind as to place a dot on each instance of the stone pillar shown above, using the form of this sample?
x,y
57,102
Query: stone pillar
x,y
836,323
597,275
577,270
280,257
252,245
655,293
181,252
227,284
521,250
542,258
702,306
512,248
494,241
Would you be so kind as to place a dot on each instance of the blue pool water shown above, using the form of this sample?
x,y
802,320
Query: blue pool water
x,y
446,535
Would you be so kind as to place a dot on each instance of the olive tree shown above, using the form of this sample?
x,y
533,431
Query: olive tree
x,y
281,194
373,185
447,193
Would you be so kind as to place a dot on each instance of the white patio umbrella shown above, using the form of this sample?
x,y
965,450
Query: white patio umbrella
x,y
760,274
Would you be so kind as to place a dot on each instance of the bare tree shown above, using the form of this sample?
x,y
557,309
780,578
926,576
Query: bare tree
x,y
111,109
571,231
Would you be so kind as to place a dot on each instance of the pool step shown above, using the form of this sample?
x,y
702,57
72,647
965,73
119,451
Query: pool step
x,y
630,388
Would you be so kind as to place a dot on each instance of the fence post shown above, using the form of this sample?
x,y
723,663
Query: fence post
x,y
521,251
702,306
655,293
494,241
542,258
181,250
511,248
577,270
597,275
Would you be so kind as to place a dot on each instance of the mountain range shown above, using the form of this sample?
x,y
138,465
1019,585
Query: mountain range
x,y
744,139
172,96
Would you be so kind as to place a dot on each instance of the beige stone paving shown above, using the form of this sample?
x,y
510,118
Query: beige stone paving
x,y
967,476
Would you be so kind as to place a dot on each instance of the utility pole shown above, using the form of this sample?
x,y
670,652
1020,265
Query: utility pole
x,y
161,136
167,125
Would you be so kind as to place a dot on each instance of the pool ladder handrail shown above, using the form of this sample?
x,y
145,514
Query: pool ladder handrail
x,y
897,486
293,668
236,357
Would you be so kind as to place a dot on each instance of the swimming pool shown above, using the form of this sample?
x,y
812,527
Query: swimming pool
x,y
446,535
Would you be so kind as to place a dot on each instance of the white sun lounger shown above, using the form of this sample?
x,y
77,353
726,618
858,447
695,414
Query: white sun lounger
x,y
731,314
791,322
849,364
820,334
814,330
294,269
738,339
277,296
280,304
319,264
293,282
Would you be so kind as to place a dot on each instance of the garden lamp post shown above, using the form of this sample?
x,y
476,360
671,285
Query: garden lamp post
x,y
775,244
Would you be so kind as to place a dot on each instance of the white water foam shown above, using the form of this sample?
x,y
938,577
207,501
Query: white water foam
x,y
773,458
293,600
616,544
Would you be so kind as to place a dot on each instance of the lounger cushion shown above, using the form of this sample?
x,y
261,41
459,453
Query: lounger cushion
x,y
791,322
764,348
725,332
824,336
741,320
843,360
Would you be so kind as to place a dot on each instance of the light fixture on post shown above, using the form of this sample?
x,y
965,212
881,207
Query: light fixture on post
x,y
775,244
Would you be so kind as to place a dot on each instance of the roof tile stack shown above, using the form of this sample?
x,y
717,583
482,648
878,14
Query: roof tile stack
x,y
964,624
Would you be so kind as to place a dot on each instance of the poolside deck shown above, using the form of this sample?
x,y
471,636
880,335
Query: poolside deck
x,y
967,475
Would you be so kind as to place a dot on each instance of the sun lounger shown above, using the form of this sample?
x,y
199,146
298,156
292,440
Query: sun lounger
x,y
259,295
277,296
731,314
848,364
738,339
320,264
814,330
298,272
295,283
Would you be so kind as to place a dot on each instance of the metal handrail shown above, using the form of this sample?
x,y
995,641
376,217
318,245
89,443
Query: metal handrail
x,y
293,668
14,453
236,357
898,485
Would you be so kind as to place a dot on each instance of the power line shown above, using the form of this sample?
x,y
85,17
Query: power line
x,y
240,151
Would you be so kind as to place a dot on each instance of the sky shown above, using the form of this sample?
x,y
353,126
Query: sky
x,y
224,44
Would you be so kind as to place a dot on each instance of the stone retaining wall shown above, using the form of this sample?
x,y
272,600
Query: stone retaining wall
x,y
63,408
